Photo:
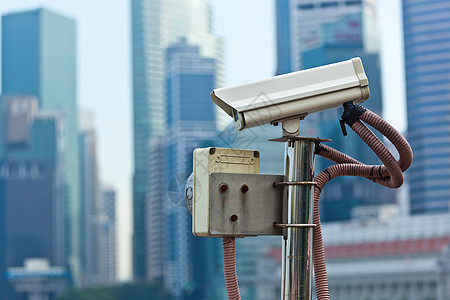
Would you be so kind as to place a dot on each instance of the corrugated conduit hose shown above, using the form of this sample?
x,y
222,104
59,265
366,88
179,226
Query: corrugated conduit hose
x,y
389,174
229,268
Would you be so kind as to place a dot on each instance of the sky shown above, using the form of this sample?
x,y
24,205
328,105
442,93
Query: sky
x,y
248,29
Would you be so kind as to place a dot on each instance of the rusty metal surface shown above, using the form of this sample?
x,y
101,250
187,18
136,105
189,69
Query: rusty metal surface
x,y
249,206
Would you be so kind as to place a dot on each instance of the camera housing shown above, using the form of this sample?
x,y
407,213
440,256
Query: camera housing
x,y
294,95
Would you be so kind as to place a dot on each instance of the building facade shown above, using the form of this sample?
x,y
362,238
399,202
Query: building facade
x,y
191,123
31,189
307,18
427,61
156,24
108,249
403,258
39,59
98,220
323,33
90,201
399,259
283,19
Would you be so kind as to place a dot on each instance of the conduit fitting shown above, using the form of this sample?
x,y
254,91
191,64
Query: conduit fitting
x,y
351,113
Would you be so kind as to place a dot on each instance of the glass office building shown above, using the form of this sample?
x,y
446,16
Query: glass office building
x,y
191,123
308,16
284,64
90,200
156,24
39,59
109,253
31,189
427,65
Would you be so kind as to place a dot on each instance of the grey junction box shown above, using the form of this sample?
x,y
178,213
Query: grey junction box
x,y
245,204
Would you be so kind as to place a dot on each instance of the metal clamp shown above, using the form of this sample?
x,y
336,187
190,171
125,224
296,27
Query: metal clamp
x,y
287,183
293,225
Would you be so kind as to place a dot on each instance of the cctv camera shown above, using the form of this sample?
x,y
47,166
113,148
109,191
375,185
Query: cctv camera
x,y
293,95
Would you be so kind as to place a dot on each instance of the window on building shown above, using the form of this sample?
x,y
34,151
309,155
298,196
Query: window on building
x,y
306,6
42,169
353,2
13,169
329,4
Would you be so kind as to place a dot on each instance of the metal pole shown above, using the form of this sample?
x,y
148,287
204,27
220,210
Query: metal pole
x,y
297,243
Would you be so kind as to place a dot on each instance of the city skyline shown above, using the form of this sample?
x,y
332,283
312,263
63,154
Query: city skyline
x,y
97,63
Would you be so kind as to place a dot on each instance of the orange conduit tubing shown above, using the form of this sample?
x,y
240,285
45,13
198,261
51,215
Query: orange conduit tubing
x,y
229,267
389,174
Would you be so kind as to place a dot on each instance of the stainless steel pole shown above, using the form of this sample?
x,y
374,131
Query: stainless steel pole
x,y
297,243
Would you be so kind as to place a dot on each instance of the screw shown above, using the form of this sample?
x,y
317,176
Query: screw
x,y
256,154
233,218
244,188
223,187
212,150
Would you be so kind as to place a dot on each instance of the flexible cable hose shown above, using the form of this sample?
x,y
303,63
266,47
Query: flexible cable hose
x,y
229,267
389,174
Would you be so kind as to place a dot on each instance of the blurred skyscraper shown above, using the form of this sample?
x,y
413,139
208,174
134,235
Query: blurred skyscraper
x,y
323,33
39,59
306,21
108,253
427,65
90,200
31,191
98,211
156,24
191,123
283,19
